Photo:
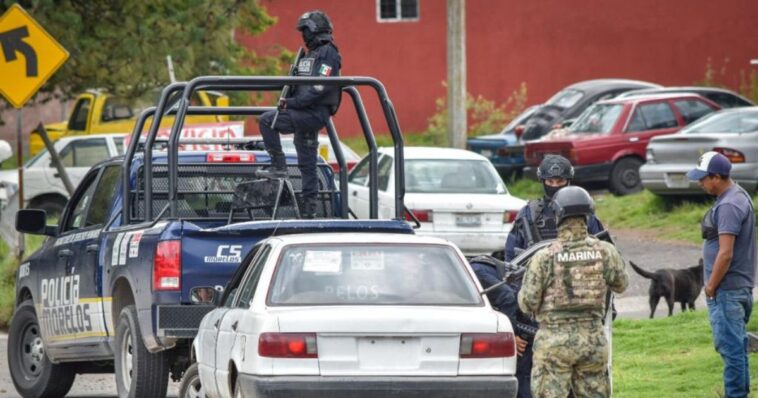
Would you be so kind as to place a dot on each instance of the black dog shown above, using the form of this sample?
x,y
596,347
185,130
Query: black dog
x,y
682,285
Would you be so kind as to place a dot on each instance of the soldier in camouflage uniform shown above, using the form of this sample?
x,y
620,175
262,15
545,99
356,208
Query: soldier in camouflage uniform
x,y
565,287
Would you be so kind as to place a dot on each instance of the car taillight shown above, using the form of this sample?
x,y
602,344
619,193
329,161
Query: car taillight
x,y
287,345
733,155
221,157
487,345
167,265
348,165
422,215
509,216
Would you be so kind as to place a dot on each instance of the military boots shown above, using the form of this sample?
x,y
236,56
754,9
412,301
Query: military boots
x,y
278,168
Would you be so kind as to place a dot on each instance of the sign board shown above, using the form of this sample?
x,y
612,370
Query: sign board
x,y
199,131
29,56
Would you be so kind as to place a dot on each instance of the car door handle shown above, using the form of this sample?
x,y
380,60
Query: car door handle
x,y
234,325
215,325
634,139
93,248
355,193
56,175
65,253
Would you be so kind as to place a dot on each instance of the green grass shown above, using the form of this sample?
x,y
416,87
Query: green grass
x,y
8,266
670,357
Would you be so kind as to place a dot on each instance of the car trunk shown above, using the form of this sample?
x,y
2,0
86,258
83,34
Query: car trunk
x,y
461,212
411,340
681,148
536,151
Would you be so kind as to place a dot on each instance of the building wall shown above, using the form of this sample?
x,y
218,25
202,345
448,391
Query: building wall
x,y
546,44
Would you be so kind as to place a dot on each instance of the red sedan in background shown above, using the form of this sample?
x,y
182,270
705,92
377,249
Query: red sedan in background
x,y
607,142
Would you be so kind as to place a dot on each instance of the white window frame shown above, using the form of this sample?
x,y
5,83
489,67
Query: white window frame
x,y
398,9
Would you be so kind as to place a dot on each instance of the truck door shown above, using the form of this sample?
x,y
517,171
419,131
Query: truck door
x,y
73,296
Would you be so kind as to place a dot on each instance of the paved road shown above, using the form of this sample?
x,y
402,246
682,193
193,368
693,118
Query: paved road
x,y
635,246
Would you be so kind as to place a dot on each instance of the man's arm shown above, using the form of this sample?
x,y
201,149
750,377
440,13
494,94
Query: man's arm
x,y
516,238
533,286
721,264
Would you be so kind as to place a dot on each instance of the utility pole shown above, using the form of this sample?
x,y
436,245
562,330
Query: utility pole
x,y
456,73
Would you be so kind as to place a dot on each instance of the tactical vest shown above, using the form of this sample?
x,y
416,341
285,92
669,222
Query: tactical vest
x,y
310,65
577,283
541,227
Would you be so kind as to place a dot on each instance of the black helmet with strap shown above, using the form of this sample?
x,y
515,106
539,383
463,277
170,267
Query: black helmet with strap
x,y
315,21
572,201
555,166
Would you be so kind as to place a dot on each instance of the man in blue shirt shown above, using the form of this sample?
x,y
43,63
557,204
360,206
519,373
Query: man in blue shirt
x,y
729,257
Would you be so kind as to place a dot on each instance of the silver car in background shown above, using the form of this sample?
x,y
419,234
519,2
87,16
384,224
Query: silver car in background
x,y
732,132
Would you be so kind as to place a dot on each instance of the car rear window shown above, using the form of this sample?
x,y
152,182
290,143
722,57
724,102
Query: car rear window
x,y
451,176
731,122
371,274
598,118
566,98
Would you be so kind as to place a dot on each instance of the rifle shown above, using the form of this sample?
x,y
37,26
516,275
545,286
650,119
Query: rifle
x,y
286,89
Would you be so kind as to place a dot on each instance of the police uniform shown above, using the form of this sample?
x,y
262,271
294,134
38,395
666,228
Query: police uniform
x,y
565,287
307,110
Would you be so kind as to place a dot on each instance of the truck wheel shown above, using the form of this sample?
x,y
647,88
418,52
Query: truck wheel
x,y
625,176
32,372
190,386
139,373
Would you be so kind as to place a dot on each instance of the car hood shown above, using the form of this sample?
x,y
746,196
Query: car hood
x,y
481,203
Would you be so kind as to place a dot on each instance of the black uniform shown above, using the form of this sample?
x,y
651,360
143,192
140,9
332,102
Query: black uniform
x,y
308,109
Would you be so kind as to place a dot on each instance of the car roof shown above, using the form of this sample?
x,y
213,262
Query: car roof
x,y
602,84
680,89
355,237
648,97
422,152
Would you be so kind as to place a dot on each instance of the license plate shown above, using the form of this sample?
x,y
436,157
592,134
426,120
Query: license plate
x,y
677,180
468,220
487,153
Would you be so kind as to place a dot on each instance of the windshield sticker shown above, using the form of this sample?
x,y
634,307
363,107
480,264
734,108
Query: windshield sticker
x,y
323,261
134,244
368,260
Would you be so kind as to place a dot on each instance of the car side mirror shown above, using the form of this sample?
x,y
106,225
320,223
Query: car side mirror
x,y
34,221
205,295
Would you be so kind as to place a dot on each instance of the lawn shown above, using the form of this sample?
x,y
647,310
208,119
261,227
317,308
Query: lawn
x,y
670,357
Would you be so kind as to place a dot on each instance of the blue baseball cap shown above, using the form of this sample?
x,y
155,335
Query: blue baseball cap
x,y
710,163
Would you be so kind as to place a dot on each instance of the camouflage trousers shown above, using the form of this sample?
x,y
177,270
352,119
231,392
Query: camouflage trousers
x,y
570,356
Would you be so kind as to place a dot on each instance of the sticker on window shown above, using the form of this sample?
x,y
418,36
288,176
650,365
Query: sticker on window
x,y
322,261
368,260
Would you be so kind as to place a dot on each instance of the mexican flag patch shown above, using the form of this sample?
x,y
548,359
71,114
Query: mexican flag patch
x,y
325,70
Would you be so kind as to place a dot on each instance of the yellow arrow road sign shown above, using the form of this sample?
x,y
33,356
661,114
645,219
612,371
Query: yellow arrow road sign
x,y
28,56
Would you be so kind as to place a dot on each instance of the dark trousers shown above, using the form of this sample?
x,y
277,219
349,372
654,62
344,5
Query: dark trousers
x,y
524,372
305,127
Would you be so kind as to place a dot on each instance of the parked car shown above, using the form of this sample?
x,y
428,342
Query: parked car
x,y
732,132
43,188
501,148
455,194
383,313
607,142
558,111
723,97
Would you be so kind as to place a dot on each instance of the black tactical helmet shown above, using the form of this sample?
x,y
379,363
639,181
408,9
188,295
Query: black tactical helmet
x,y
572,201
555,166
314,21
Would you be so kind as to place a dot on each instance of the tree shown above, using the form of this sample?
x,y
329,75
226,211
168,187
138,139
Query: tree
x,y
121,45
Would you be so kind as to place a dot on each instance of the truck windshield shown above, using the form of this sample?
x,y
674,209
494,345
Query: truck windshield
x,y
371,274
598,118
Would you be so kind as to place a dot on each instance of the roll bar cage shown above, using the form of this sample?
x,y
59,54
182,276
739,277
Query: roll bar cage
x,y
182,108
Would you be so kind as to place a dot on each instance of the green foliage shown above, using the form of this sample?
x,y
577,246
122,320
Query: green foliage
x,y
526,189
669,357
8,266
484,116
748,86
121,45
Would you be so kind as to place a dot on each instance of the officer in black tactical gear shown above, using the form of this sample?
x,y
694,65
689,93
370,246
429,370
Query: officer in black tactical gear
x,y
307,110
536,222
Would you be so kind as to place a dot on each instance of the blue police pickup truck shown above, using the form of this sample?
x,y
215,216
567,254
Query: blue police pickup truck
x,y
116,286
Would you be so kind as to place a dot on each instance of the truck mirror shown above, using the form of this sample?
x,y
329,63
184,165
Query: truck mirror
x,y
33,221
204,295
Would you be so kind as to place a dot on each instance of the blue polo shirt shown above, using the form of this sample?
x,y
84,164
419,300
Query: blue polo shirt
x,y
733,214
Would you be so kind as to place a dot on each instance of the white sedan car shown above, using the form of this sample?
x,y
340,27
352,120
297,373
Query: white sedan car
x,y
455,194
332,315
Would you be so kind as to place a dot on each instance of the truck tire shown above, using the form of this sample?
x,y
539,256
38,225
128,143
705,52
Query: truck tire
x,y
31,370
139,373
625,176
191,387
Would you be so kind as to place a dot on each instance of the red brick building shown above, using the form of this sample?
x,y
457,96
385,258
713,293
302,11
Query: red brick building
x,y
547,44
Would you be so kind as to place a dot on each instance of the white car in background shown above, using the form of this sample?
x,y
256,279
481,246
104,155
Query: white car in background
x,y
325,150
43,188
455,194
359,314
